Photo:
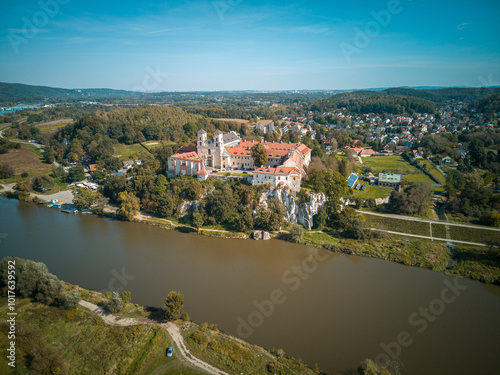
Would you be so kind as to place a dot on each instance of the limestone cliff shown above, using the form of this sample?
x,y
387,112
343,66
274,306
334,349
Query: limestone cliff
x,y
296,211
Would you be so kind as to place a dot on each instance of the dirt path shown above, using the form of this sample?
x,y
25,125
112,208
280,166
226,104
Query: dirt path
x,y
171,328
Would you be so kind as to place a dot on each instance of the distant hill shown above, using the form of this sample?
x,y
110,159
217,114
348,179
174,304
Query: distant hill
x,y
401,99
488,105
374,102
13,93
438,95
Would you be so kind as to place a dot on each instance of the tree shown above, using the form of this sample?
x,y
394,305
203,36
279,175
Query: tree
x,y
84,198
353,224
70,300
42,182
197,219
335,187
345,167
245,221
115,303
415,199
259,155
76,173
129,205
126,296
455,182
6,171
49,289
113,186
296,234
174,303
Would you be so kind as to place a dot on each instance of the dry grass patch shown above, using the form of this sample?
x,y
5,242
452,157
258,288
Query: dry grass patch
x,y
234,120
24,161
52,126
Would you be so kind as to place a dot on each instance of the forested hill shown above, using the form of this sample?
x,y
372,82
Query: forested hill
x,y
13,93
489,104
400,99
372,102
464,94
136,125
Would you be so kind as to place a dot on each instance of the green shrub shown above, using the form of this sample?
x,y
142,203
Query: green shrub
x,y
115,303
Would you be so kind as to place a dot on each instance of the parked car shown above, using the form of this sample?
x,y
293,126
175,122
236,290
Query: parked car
x,y
170,351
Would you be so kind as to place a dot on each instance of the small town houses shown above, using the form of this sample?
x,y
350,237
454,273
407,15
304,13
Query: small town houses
x,y
227,152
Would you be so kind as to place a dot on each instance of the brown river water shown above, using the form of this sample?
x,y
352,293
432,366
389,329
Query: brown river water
x,y
330,309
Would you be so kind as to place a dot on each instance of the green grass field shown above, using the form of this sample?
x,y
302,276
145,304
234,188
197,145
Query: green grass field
x,y
389,164
130,152
431,168
372,192
398,225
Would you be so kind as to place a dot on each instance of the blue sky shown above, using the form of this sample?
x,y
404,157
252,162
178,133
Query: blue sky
x,y
250,45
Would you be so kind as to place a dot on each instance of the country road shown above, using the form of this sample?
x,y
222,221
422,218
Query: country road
x,y
409,218
171,328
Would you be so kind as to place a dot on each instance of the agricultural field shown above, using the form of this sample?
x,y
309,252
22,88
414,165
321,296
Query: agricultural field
x,y
23,160
53,126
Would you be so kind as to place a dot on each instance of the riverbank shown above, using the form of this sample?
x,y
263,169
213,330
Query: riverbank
x,y
89,340
465,261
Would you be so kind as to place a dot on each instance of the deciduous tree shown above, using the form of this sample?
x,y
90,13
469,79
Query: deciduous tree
x,y
174,303
259,155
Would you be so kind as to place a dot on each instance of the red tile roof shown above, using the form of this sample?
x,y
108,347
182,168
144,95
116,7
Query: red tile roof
x,y
277,171
187,156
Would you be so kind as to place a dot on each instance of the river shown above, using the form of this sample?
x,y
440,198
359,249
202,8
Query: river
x,y
330,309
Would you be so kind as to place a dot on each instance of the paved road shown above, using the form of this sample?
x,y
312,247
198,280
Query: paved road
x,y
409,218
172,329
430,238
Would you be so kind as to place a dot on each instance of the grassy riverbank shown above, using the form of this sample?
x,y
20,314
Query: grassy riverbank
x,y
468,262
50,340
79,342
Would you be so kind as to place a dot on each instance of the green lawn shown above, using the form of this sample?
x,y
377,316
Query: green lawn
x,y
397,164
434,171
389,164
130,152
372,192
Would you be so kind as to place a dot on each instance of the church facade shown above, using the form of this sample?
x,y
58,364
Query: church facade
x,y
226,152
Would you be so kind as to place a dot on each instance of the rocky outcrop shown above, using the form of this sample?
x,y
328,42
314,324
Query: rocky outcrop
x,y
188,206
296,212
261,235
